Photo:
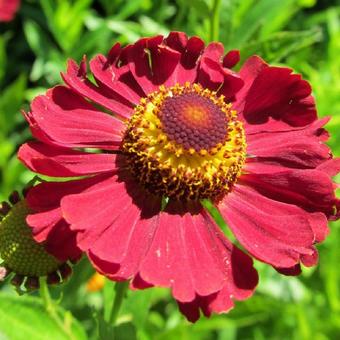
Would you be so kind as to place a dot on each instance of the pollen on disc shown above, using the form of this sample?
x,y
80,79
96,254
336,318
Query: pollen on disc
x,y
193,121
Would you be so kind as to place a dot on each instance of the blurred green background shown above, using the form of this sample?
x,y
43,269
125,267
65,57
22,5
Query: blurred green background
x,y
304,34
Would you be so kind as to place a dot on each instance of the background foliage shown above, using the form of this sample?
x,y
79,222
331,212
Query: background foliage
x,y
304,34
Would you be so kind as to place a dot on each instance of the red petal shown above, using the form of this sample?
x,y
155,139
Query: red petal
x,y
214,76
76,79
190,255
187,253
8,9
47,222
292,271
231,59
272,231
65,119
181,256
273,97
310,189
152,63
116,79
303,148
330,167
60,162
242,281
190,49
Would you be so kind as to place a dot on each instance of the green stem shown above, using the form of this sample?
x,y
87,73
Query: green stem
x,y
120,288
215,20
51,308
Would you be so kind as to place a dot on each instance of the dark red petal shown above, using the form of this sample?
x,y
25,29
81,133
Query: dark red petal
x,y
292,271
76,79
249,72
274,232
310,189
61,242
214,76
303,148
81,212
120,257
152,63
177,41
66,119
273,97
61,162
190,49
231,59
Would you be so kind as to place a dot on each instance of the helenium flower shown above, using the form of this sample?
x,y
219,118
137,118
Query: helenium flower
x,y
166,124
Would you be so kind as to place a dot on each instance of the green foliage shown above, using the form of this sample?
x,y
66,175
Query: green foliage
x,y
26,318
304,34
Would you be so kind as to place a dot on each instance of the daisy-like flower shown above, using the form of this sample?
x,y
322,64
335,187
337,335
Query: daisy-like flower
x,y
164,125
8,9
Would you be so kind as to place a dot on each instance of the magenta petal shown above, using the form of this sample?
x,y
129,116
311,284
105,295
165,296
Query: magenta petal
x,y
272,231
61,162
66,119
76,79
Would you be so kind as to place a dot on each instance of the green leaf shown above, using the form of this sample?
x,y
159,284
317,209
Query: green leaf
x,y
138,304
66,20
26,318
37,39
10,103
2,58
105,330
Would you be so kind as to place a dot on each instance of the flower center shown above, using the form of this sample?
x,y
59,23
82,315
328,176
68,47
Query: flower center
x,y
19,251
186,143
193,121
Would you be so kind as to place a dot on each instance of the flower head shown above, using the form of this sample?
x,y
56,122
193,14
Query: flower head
x,y
8,8
20,253
165,125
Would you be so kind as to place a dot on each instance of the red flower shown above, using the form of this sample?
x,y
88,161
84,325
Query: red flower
x,y
8,8
159,112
